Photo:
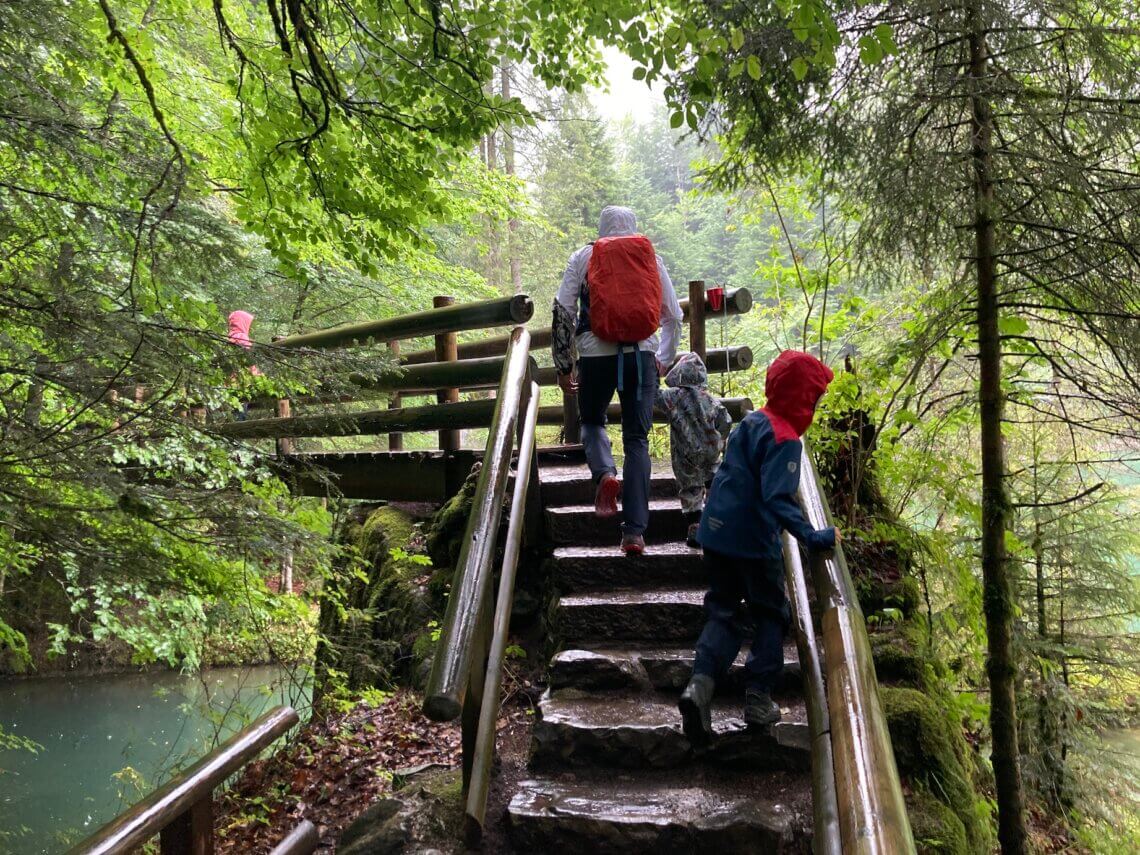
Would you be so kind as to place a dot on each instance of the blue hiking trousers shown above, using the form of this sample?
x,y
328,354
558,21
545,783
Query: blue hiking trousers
x,y
597,382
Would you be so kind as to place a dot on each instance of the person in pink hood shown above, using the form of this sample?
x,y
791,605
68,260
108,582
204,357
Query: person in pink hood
x,y
753,499
240,322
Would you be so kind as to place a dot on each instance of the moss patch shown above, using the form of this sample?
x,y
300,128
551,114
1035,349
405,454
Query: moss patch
x,y
895,651
931,752
374,605
937,829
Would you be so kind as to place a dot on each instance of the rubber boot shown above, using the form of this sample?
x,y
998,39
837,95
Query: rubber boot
x,y
759,709
696,709
692,524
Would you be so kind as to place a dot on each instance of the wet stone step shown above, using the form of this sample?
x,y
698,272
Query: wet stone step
x,y
663,813
582,568
663,615
577,525
666,669
643,730
573,485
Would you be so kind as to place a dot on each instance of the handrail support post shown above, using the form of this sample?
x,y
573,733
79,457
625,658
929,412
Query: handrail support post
x,y
697,317
192,831
446,350
395,400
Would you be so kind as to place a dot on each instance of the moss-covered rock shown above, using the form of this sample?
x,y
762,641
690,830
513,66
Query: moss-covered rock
x,y
374,604
896,650
932,753
937,829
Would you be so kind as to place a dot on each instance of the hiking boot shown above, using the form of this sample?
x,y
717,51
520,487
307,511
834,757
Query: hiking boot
x,y
759,709
696,711
691,538
605,500
632,544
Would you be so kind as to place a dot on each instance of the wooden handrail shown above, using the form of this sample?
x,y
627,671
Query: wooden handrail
x,y
872,812
738,408
825,806
181,797
719,360
483,757
737,301
462,414
302,840
471,585
464,316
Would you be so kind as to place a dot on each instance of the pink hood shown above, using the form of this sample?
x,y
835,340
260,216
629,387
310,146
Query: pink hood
x,y
239,328
795,383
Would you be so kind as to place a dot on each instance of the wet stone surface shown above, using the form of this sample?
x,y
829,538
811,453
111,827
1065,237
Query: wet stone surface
x,y
643,730
578,525
660,616
584,568
573,485
651,816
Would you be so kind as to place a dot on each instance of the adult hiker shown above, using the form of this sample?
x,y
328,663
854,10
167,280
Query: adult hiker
x,y
753,497
615,296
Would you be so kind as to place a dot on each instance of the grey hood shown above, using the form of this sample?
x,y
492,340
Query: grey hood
x,y
616,220
688,370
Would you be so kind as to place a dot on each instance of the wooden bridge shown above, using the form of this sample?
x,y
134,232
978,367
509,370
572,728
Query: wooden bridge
x,y
611,769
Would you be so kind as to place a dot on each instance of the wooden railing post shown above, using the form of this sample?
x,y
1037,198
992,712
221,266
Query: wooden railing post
x,y
284,443
571,426
446,350
697,318
395,401
191,832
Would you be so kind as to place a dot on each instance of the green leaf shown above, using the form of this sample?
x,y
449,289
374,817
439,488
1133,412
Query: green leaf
x,y
1013,325
799,67
639,73
737,38
676,120
753,67
870,51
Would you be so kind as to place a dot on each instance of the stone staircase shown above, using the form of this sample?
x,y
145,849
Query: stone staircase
x,y
611,770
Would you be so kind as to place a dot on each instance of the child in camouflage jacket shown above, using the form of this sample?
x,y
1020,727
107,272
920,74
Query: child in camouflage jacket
x,y
698,428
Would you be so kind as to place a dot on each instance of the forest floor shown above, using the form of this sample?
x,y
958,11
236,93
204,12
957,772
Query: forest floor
x,y
336,768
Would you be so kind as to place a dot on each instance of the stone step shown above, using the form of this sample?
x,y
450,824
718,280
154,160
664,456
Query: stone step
x,y
643,730
661,668
573,485
577,524
661,615
663,812
582,568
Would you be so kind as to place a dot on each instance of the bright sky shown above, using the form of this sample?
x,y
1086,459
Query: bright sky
x,y
625,96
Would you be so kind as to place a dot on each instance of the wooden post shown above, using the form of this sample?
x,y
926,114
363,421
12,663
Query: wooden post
x,y
571,426
284,443
191,832
395,440
446,350
697,318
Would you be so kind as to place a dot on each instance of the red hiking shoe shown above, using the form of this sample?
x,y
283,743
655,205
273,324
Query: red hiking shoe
x,y
605,500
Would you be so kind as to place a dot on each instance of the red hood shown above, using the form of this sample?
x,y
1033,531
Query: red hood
x,y
795,382
239,328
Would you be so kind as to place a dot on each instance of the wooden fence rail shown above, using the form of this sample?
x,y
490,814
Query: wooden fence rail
x,y
440,321
181,811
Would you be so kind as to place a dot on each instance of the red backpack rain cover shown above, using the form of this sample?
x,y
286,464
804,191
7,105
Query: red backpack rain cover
x,y
625,290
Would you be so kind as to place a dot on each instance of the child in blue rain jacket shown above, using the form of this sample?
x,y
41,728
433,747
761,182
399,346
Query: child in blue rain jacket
x,y
752,499
698,427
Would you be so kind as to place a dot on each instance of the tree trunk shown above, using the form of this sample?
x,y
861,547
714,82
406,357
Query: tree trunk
x,y
494,272
509,168
997,590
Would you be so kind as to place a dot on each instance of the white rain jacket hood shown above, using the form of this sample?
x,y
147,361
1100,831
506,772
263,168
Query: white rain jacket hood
x,y
615,221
